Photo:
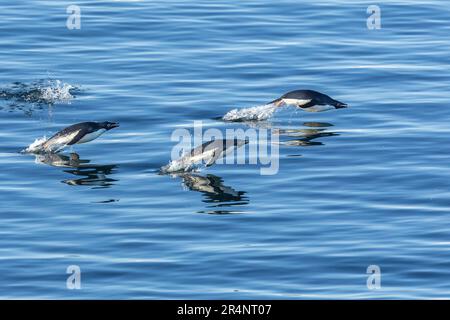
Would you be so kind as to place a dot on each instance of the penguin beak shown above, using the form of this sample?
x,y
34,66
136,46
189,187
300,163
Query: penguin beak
x,y
340,105
113,125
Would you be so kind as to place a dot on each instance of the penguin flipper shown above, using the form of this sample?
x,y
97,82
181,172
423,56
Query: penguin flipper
x,y
309,104
214,157
80,134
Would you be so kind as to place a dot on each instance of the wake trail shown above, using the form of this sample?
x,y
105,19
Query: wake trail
x,y
258,113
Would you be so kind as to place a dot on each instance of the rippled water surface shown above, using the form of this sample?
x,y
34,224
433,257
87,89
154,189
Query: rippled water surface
x,y
366,185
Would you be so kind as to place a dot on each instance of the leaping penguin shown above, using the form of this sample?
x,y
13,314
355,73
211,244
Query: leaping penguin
x,y
77,134
309,100
209,152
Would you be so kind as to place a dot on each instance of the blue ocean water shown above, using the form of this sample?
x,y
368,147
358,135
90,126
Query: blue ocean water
x,y
368,185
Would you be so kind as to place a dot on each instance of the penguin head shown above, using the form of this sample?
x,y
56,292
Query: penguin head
x,y
109,125
339,105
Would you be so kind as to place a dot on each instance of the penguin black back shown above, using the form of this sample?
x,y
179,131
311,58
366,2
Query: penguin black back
x,y
78,133
314,98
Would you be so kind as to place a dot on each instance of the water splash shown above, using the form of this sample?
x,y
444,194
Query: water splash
x,y
184,164
36,147
58,92
257,113
40,92
40,146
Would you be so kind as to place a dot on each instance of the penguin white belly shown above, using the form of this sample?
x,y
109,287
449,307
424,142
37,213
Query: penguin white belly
x,y
297,102
318,108
91,136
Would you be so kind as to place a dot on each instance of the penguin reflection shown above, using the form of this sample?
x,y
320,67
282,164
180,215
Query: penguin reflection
x,y
304,137
91,174
213,189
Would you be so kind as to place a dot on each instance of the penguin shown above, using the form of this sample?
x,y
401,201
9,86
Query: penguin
x,y
77,134
212,150
208,153
309,100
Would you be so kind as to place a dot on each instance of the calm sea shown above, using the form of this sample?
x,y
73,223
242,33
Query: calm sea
x,y
367,185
